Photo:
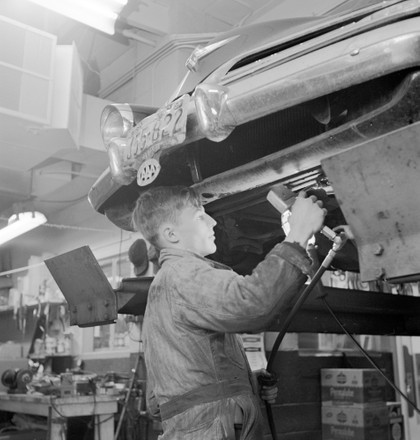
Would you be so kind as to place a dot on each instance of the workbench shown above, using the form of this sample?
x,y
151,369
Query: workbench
x,y
58,409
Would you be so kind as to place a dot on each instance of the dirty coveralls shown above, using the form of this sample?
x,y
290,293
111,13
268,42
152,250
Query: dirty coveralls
x,y
198,376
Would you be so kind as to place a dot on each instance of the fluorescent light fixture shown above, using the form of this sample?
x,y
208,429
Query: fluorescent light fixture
x,y
99,14
20,223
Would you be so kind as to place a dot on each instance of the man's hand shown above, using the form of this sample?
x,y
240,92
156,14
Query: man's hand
x,y
268,389
307,218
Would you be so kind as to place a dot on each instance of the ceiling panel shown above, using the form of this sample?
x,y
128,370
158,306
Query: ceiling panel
x,y
231,12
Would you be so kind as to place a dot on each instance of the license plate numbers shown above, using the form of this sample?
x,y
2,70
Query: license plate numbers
x,y
163,129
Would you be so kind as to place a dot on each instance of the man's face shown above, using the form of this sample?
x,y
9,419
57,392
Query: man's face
x,y
195,231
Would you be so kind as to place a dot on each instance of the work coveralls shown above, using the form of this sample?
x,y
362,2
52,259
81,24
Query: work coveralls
x,y
197,373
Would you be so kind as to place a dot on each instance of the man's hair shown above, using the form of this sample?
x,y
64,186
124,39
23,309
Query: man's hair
x,y
159,205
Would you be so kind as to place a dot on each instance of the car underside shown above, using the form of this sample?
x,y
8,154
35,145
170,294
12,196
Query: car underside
x,y
283,147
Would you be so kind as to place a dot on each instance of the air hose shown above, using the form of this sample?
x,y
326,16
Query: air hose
x,y
270,379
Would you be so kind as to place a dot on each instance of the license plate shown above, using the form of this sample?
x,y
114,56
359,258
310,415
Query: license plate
x,y
163,129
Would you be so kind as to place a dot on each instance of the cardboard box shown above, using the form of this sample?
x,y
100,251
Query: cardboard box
x,y
356,423
352,386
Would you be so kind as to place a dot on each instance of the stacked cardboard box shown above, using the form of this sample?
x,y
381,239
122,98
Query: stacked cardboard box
x,y
353,404
352,386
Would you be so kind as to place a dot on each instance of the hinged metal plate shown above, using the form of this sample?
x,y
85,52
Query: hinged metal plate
x,y
89,294
377,185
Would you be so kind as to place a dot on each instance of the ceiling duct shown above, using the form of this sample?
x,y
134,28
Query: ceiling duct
x,y
41,96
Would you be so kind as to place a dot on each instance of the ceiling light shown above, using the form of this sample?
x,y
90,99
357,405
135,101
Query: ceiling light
x,y
20,223
99,14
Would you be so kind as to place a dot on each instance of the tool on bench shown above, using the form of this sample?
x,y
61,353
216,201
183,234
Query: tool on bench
x,y
16,380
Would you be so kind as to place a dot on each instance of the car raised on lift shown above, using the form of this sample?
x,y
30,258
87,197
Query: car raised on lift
x,y
325,103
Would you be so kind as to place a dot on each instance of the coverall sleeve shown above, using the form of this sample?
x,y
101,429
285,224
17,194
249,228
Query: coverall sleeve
x,y
221,300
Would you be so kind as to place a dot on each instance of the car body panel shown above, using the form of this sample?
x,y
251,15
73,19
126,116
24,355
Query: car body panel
x,y
262,37
305,78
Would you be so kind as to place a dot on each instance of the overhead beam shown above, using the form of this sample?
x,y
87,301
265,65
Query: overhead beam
x,y
151,17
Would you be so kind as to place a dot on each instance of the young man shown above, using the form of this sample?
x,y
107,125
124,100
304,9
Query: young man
x,y
199,381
